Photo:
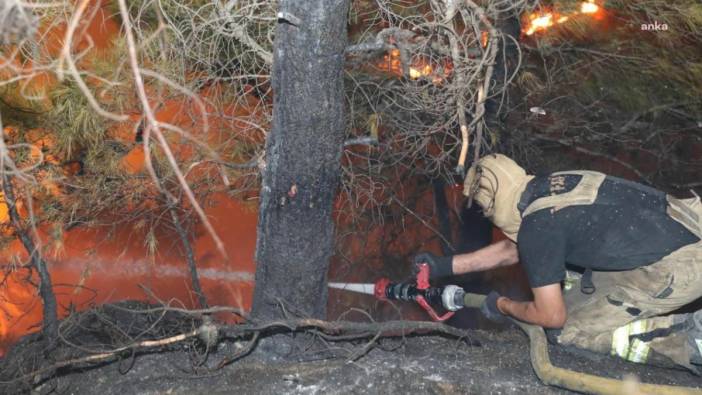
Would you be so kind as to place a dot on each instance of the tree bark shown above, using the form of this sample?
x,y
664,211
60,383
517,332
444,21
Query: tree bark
x,y
295,231
505,65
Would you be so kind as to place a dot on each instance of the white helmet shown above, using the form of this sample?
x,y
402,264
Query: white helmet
x,y
496,182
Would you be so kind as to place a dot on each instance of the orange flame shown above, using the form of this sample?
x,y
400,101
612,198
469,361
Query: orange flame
x,y
484,36
589,7
419,72
420,68
540,21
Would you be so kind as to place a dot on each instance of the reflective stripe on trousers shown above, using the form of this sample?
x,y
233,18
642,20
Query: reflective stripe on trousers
x,y
633,350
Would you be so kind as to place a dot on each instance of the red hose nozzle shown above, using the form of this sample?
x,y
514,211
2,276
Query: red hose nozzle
x,y
380,288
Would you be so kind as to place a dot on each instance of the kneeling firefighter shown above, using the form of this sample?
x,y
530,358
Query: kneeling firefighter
x,y
640,251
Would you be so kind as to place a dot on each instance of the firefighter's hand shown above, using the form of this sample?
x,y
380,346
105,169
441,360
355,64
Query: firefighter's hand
x,y
439,266
490,310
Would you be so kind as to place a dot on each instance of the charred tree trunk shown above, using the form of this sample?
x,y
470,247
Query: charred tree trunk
x,y
46,292
505,65
303,152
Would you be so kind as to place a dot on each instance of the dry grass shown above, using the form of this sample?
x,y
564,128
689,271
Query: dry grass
x,y
618,93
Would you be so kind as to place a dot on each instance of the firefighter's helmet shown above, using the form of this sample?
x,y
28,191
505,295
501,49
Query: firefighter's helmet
x,y
496,183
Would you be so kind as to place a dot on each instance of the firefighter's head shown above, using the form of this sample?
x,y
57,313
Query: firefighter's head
x,y
496,183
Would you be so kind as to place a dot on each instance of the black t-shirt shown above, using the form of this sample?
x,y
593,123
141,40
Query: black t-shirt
x,y
626,227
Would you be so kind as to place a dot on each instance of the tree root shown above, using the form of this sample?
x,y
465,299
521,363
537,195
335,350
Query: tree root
x,y
344,331
209,332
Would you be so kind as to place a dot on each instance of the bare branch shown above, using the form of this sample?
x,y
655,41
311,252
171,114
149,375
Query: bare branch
x,y
153,125
17,22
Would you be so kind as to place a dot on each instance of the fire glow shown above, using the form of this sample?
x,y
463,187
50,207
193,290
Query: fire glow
x,y
541,21
418,69
420,72
93,265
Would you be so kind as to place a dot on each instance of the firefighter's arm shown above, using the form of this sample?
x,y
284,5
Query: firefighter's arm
x,y
547,310
499,254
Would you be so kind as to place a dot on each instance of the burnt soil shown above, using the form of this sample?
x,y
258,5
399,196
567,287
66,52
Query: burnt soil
x,y
495,362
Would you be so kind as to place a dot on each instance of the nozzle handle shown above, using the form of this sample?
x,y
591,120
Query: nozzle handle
x,y
423,276
432,313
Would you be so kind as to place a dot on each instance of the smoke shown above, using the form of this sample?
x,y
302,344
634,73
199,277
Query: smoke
x,y
17,22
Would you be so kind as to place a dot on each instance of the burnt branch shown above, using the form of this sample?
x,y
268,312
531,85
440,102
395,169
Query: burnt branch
x,y
575,145
210,332
189,257
361,141
349,330
50,323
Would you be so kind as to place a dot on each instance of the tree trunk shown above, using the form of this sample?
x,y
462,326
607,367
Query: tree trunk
x,y
295,230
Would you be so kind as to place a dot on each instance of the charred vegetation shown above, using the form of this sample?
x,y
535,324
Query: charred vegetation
x,y
157,125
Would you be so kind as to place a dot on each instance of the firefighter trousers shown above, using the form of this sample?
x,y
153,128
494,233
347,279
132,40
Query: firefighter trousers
x,y
627,315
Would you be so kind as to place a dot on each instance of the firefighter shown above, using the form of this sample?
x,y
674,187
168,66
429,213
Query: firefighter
x,y
607,259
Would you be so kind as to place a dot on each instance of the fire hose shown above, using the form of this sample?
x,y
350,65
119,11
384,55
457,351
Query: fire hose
x,y
453,298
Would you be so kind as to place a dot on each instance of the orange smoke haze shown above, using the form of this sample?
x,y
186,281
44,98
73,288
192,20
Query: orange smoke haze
x,y
96,266
92,266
